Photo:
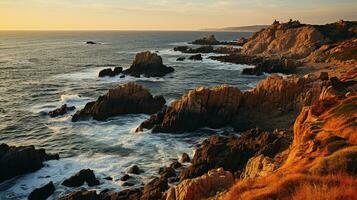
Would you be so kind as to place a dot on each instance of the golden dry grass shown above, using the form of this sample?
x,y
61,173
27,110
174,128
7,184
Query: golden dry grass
x,y
296,187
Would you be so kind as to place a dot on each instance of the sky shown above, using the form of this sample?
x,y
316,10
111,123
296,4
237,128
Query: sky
x,y
166,14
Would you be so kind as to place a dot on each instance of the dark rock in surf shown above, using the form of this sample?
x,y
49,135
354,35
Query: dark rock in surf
x,y
181,48
129,194
196,57
91,42
181,59
130,98
20,160
210,40
77,180
134,170
125,177
61,111
149,65
110,72
42,193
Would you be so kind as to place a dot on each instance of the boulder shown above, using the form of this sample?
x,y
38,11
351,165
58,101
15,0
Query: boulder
x,y
61,111
20,160
110,72
125,177
185,158
77,180
155,189
196,57
202,187
43,192
130,98
167,172
134,170
149,65
210,40
218,151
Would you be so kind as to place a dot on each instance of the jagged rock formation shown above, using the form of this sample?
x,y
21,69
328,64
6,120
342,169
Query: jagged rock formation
x,y
20,160
61,111
201,187
130,98
201,107
149,65
295,40
77,180
275,102
210,40
218,151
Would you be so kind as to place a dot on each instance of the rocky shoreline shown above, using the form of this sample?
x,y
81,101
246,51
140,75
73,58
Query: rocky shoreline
x,y
295,131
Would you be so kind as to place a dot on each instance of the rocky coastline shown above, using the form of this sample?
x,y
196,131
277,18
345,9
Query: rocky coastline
x,y
296,132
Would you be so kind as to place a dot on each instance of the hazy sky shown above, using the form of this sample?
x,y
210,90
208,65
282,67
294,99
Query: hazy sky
x,y
165,14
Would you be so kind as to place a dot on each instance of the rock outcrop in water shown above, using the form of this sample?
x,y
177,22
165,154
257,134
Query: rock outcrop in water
x,y
43,192
77,180
61,111
200,107
110,72
20,160
130,98
149,65
210,40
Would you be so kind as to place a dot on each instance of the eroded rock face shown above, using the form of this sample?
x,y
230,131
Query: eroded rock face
x,y
155,189
275,102
201,187
20,160
295,40
61,111
200,107
259,166
130,98
232,153
85,175
42,193
149,65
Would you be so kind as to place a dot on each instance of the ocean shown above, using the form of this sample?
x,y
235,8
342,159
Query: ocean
x,y
41,71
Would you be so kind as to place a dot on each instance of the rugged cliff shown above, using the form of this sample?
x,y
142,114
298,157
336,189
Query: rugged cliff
x,y
296,40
